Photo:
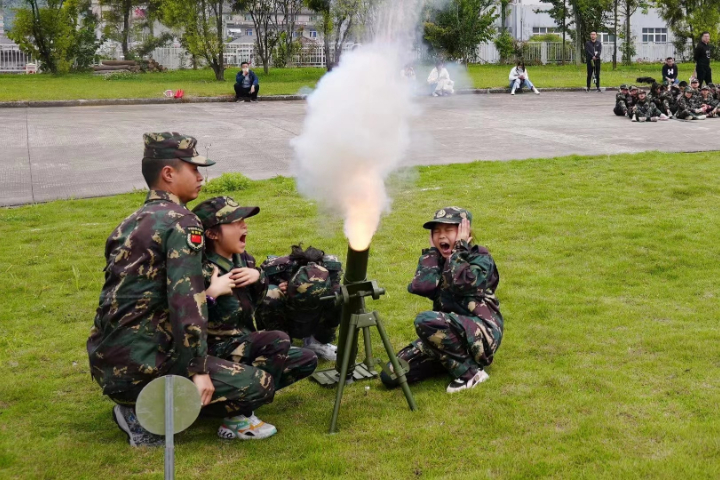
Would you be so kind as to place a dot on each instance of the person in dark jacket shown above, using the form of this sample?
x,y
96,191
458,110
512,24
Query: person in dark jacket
x,y
703,53
593,50
247,84
670,72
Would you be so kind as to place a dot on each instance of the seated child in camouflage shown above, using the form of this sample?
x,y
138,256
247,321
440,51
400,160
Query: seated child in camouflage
x,y
621,100
462,332
292,303
708,105
234,289
645,110
688,107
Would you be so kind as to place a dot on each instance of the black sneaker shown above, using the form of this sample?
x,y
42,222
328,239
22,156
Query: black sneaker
x,y
460,384
130,426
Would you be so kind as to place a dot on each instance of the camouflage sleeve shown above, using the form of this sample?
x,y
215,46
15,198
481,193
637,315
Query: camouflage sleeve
x,y
259,289
186,294
469,270
334,266
428,274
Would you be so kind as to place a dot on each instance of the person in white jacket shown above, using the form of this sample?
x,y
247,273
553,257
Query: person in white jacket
x,y
519,78
439,81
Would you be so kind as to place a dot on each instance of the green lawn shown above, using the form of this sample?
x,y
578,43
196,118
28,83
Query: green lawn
x,y
201,83
609,366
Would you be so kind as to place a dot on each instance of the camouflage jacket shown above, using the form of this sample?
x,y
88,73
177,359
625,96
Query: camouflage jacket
x,y
621,97
284,269
685,105
647,109
233,315
710,100
461,284
152,311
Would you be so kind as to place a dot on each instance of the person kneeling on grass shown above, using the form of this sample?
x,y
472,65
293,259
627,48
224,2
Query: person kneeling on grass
x,y
292,303
235,287
646,110
247,85
463,331
519,78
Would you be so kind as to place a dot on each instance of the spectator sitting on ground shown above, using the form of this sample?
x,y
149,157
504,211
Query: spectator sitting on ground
x,y
439,80
247,84
519,78
670,72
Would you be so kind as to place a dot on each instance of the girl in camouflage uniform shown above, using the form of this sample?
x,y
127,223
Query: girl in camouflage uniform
x,y
234,288
462,332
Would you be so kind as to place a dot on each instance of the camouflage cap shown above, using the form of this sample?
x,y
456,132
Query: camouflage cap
x,y
449,215
705,87
683,84
690,90
694,80
633,87
623,86
168,145
219,210
642,90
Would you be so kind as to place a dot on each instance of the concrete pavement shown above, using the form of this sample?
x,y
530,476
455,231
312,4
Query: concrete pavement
x,y
63,152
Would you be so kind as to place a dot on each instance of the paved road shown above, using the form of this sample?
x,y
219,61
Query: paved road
x,y
53,153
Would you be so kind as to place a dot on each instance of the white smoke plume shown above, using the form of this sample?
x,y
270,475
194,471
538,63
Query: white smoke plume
x,y
357,127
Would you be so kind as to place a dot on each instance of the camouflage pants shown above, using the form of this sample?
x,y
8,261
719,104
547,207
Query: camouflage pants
x,y
620,109
270,351
686,115
461,344
266,362
276,314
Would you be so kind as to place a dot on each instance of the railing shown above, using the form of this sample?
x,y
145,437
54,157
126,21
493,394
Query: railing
x,y
12,59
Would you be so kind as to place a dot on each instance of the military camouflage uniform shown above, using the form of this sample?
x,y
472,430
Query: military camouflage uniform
x,y
152,315
231,332
299,311
621,108
464,330
645,110
662,102
688,108
710,103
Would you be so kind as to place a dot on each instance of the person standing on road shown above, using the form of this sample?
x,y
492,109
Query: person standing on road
x,y
703,53
593,50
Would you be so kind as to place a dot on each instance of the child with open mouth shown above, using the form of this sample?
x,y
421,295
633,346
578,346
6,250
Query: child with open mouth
x,y
234,289
462,332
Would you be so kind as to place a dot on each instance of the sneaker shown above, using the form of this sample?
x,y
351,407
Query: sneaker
x,y
701,117
245,428
653,119
459,384
537,92
325,351
512,93
633,119
435,94
664,117
642,119
130,426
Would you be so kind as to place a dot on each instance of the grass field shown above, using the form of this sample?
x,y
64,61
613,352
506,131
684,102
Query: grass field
x,y
201,83
608,369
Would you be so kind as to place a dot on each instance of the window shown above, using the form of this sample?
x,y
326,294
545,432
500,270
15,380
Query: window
x,y
294,34
248,32
544,30
248,18
313,18
313,33
654,35
607,38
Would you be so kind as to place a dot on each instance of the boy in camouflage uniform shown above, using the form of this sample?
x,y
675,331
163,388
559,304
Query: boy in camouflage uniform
x,y
708,105
292,304
646,111
621,109
463,331
152,315
688,107
235,287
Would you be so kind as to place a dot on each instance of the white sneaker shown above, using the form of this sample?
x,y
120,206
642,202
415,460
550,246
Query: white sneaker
x,y
537,92
245,428
325,351
512,93
435,94
459,384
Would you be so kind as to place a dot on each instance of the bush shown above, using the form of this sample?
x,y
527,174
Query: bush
x,y
227,182
547,37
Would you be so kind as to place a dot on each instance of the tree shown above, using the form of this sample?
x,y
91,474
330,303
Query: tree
x,y
117,16
264,14
628,9
687,19
60,34
585,15
200,27
457,29
288,10
338,20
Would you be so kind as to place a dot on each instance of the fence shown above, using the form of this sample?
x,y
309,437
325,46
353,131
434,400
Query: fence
x,y
12,59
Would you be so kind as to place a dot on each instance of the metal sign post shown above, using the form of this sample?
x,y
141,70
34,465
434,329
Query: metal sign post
x,y
166,406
